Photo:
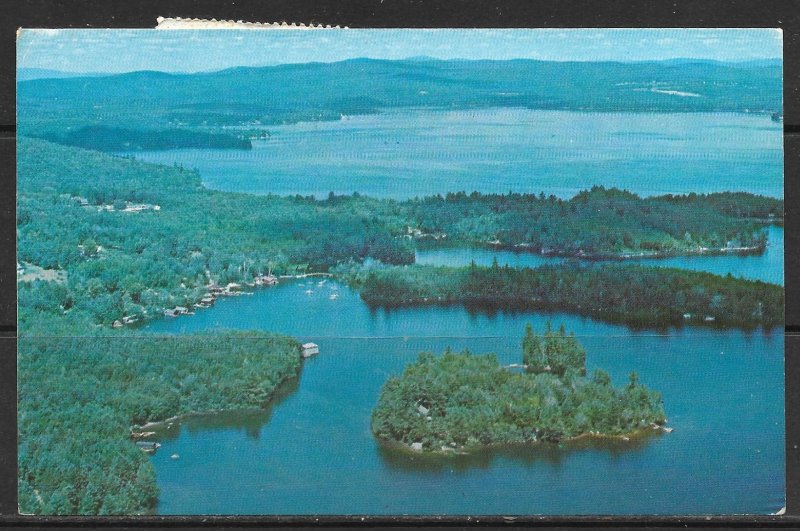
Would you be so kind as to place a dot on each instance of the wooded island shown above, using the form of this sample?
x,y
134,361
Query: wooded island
x,y
461,401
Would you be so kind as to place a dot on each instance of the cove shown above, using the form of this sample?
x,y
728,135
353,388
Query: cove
x,y
313,452
421,152
766,267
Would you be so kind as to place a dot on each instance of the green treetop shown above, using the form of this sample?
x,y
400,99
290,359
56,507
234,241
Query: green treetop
x,y
555,352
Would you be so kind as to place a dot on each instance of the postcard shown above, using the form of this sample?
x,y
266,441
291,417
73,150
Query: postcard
x,y
385,272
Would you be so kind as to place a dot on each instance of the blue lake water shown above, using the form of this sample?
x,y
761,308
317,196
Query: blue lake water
x,y
409,153
313,452
767,267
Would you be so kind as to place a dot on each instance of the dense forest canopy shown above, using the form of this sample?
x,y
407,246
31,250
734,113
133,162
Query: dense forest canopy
x,y
637,296
105,138
460,400
71,217
60,109
598,222
80,396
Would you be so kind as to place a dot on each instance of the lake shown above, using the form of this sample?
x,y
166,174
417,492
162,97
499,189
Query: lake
x,y
313,452
767,267
408,153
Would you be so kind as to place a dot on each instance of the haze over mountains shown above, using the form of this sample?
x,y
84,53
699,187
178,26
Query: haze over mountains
x,y
80,110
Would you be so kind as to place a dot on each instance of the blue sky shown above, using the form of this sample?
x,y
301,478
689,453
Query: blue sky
x,y
116,50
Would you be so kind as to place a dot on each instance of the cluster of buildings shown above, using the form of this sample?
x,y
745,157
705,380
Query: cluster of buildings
x,y
232,289
129,207
417,234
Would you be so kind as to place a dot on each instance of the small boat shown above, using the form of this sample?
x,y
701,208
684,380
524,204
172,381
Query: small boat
x,y
309,292
333,296
148,447
668,430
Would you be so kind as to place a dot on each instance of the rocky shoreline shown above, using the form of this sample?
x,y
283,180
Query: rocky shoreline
x,y
419,449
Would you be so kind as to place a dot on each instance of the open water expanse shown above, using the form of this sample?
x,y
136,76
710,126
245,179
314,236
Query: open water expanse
x,y
313,452
401,154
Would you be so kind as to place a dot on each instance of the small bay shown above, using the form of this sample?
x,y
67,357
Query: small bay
x,y
313,452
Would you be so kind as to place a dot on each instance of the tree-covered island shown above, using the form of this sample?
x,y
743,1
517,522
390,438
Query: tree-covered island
x,y
461,401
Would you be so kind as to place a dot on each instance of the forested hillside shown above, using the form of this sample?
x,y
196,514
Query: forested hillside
x,y
80,396
122,263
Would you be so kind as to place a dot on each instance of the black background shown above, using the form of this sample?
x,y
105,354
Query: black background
x,y
416,14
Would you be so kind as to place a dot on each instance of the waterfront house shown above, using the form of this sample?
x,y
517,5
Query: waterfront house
x,y
309,349
266,280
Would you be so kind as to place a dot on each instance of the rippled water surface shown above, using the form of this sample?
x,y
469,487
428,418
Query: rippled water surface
x,y
409,153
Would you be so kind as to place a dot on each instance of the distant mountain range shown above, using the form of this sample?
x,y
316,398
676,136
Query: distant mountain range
x,y
58,106
27,74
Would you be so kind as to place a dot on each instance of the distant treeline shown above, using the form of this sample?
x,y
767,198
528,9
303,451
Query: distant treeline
x,y
70,218
80,397
104,138
325,91
601,222
464,401
634,295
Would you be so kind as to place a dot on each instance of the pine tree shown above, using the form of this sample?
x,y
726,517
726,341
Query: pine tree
x,y
532,351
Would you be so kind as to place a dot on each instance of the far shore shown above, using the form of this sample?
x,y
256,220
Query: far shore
x,y
522,248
